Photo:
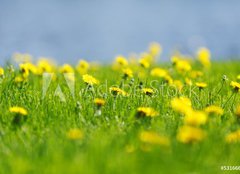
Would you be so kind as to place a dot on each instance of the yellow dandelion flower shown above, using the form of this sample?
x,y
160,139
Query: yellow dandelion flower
x,y
146,111
189,134
155,49
214,110
45,65
75,134
117,91
158,72
127,72
1,71
99,102
233,137
19,79
90,80
168,79
153,138
195,118
204,56
120,60
24,70
201,85
188,81
145,61
148,91
175,59
196,74
18,110
82,66
183,66
181,105
178,84
237,112
66,68
235,86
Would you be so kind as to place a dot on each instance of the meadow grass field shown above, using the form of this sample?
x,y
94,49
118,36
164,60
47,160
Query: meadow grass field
x,y
133,116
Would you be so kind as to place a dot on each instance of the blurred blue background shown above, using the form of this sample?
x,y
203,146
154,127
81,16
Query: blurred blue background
x,y
68,30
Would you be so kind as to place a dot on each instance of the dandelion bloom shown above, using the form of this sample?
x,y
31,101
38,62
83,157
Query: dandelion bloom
x,y
120,60
183,66
188,81
155,49
1,71
204,56
195,118
127,72
144,62
158,72
201,85
153,138
148,91
168,79
117,91
90,80
18,110
66,68
189,134
82,66
235,86
45,65
196,74
178,84
233,137
182,104
214,110
24,69
75,134
99,102
146,111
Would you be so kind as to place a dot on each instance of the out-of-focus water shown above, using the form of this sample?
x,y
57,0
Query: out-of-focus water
x,y
98,30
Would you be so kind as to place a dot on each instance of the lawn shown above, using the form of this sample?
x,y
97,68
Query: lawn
x,y
181,116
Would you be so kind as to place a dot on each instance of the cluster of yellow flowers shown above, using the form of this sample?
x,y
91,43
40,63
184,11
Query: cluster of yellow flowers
x,y
180,73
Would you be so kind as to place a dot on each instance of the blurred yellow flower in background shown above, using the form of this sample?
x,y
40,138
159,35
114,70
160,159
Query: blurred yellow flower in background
x,y
181,105
195,118
233,137
127,72
204,56
189,134
214,110
66,68
82,67
235,86
158,72
75,134
153,138
122,61
155,49
1,71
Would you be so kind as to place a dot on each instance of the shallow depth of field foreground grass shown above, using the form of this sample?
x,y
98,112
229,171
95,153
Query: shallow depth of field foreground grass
x,y
182,116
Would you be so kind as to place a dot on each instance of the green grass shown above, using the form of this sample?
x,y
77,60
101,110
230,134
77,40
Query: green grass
x,y
40,145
